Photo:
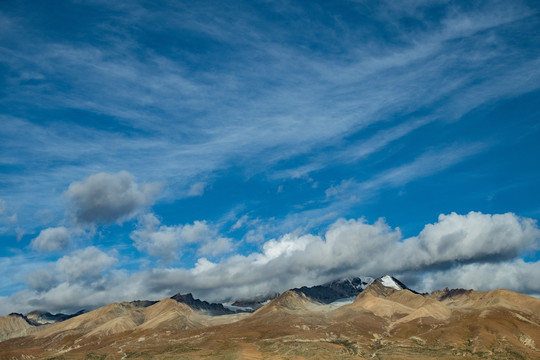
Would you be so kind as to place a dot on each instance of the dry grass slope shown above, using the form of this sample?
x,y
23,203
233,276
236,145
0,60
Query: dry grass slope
x,y
379,324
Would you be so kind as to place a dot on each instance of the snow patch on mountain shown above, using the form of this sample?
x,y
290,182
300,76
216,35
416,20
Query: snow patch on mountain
x,y
389,282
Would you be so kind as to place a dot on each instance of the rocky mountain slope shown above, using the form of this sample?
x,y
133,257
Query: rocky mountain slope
x,y
335,290
205,306
252,304
385,321
327,293
38,317
14,325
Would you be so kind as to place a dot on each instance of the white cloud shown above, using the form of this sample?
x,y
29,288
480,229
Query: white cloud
x,y
42,279
107,198
516,275
240,222
165,242
424,165
197,189
19,231
197,232
158,240
86,264
285,246
471,237
216,246
355,151
202,265
52,239
429,163
256,230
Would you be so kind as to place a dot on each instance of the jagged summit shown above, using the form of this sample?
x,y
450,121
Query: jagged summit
x,y
252,304
205,306
392,282
329,292
39,317
336,290
289,301
142,303
385,286
447,293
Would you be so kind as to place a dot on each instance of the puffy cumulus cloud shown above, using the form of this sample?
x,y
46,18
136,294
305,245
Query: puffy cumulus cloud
x,y
52,239
84,266
165,242
106,198
202,265
516,275
158,240
472,237
285,246
42,279
216,246
83,279
69,297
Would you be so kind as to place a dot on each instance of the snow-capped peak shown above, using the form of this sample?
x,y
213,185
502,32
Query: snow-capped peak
x,y
389,282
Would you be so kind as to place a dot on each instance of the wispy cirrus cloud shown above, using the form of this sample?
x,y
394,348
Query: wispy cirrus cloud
x,y
425,165
405,79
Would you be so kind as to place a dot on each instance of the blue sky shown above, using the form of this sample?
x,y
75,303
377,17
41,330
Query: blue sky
x,y
230,150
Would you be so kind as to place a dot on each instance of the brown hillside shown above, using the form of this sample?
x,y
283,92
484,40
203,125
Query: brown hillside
x,y
382,322
14,325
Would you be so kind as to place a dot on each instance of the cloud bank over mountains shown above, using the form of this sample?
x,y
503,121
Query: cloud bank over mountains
x,y
472,250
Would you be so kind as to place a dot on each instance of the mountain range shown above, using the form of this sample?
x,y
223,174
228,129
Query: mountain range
x,y
385,320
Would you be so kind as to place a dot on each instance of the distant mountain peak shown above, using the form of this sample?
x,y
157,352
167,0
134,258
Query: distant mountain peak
x,y
336,289
289,301
385,286
252,304
40,317
201,305
184,298
391,282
